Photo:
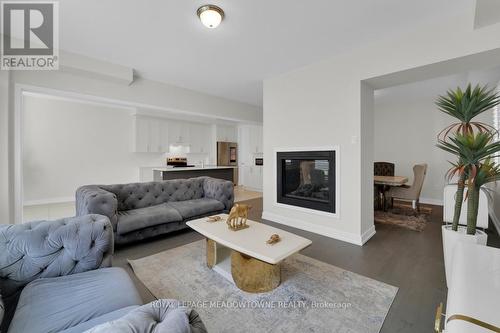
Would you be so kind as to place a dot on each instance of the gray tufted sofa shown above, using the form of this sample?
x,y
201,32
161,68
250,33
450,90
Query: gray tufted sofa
x,y
55,277
142,210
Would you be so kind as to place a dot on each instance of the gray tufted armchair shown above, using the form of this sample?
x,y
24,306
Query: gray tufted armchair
x,y
50,282
46,249
141,210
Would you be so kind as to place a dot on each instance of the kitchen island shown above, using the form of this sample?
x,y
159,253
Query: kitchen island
x,y
221,172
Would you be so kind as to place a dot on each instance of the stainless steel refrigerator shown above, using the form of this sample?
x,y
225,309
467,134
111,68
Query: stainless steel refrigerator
x,y
227,155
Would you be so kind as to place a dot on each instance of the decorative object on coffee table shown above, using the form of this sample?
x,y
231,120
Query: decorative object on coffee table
x,y
275,238
238,216
215,218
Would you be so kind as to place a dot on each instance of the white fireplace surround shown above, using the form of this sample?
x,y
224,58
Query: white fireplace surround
x,y
337,186
303,223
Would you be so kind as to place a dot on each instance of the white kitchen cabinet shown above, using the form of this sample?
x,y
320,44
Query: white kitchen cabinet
x,y
251,177
154,136
178,132
250,143
255,142
227,133
174,132
258,136
164,140
201,136
141,135
150,135
259,178
244,155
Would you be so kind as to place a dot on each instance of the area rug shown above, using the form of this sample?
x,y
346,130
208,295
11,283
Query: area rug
x,y
405,217
313,297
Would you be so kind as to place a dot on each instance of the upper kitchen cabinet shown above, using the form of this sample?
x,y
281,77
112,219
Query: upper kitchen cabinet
x,y
201,138
141,135
150,135
226,133
251,141
179,132
257,136
155,134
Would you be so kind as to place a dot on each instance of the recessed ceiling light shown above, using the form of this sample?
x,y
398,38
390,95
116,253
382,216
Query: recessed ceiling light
x,y
210,15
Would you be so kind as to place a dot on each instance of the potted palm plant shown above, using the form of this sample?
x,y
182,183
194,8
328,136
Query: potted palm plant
x,y
473,143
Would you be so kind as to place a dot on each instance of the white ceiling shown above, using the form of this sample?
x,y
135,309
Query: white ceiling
x,y
163,40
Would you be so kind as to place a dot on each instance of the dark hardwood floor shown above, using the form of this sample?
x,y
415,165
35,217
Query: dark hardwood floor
x,y
409,260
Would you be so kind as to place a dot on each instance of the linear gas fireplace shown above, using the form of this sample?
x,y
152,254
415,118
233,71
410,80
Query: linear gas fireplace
x,y
307,179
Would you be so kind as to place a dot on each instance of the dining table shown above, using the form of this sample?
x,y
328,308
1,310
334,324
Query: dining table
x,y
384,183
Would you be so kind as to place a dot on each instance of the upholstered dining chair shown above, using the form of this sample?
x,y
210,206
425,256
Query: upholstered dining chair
x,y
410,193
381,169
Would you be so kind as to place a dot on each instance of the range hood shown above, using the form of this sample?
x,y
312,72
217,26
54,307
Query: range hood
x,y
179,148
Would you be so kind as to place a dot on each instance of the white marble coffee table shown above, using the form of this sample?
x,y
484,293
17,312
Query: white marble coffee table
x,y
243,256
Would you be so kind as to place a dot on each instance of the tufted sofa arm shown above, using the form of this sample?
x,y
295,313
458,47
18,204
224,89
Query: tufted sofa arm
x,y
161,316
221,190
92,199
46,249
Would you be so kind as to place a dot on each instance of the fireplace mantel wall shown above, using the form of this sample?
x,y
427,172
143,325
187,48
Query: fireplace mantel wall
x,y
331,103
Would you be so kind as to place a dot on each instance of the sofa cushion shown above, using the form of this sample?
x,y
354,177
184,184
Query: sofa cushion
x,y
135,219
56,304
157,317
141,195
197,207
101,320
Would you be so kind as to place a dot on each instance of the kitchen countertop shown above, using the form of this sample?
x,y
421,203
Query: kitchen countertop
x,y
207,167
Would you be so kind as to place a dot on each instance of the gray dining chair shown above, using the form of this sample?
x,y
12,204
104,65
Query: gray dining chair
x,y
410,193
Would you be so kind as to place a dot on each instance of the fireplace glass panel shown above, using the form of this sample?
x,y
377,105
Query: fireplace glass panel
x,y
307,179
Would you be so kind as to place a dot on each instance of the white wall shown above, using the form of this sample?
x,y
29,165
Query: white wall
x,y
407,123
68,144
324,104
4,149
104,81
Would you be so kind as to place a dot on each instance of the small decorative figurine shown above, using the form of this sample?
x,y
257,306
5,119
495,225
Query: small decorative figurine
x,y
238,216
214,218
275,238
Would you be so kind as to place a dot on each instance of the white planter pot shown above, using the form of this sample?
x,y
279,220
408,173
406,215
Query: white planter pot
x,y
450,240
449,207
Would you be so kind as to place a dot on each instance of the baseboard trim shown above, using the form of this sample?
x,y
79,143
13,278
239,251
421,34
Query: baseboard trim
x,y
430,201
48,201
253,189
321,230
368,234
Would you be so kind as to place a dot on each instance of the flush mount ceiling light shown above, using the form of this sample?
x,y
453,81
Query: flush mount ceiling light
x,y
210,15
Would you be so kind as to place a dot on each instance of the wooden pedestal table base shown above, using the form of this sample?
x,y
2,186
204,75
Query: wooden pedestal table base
x,y
253,275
